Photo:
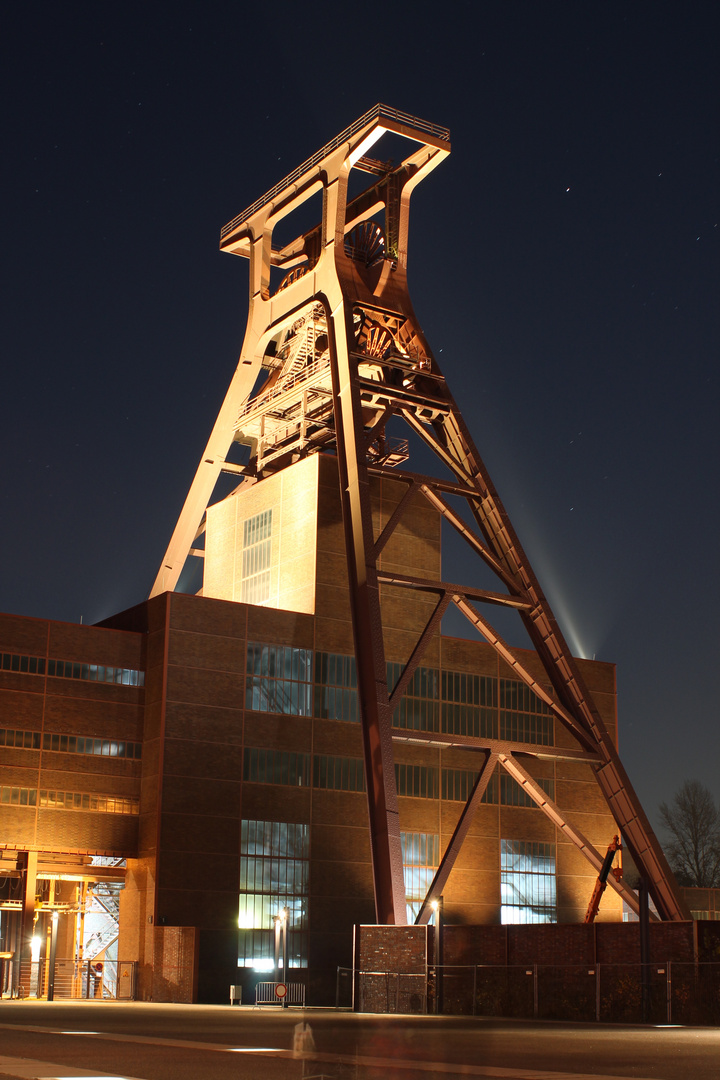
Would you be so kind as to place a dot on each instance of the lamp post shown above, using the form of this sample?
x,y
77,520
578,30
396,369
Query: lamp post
x,y
437,907
280,922
51,962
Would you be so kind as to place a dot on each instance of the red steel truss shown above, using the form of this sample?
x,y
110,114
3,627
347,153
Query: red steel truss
x,y
331,322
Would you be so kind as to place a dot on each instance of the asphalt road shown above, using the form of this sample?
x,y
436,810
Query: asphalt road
x,y
186,1042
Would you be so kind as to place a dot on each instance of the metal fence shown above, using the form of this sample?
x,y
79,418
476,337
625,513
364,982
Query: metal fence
x,y
279,993
111,980
671,993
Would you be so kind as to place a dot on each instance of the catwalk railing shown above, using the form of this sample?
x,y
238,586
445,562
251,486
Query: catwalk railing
x,y
111,980
670,993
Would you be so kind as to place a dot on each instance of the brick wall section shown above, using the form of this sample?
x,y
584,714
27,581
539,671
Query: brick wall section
x,y
402,949
174,976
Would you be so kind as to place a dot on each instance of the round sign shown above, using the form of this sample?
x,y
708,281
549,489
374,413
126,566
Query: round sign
x,y
280,990
98,967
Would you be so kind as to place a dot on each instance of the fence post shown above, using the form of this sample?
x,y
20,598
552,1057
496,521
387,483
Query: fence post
x,y
535,991
668,984
597,993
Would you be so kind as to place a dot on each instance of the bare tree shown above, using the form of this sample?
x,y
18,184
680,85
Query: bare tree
x,y
692,822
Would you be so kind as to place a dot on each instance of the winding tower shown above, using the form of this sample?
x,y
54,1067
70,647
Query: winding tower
x,y
332,352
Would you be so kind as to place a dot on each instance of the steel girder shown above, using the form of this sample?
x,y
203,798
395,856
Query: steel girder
x,y
344,352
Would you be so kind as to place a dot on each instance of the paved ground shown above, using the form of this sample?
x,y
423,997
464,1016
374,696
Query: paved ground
x,y
185,1042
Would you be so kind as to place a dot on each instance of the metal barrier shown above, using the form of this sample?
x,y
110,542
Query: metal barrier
x,y
280,993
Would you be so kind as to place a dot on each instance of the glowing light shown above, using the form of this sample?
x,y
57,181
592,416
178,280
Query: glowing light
x,y
253,1050
263,964
35,948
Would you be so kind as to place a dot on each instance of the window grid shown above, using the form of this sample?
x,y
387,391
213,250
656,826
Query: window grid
x,y
78,800
274,873
338,773
458,783
419,706
336,687
527,882
514,794
18,796
421,858
469,704
263,766
523,716
72,669
69,744
256,558
416,781
278,679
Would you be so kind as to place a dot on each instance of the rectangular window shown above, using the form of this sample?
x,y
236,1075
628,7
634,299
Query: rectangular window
x,y
469,705
421,858
416,781
527,882
78,800
263,766
256,557
513,794
278,679
338,773
17,796
458,783
419,706
523,716
69,744
274,874
336,687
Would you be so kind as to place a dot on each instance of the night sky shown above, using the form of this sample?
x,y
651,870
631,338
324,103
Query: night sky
x,y
563,264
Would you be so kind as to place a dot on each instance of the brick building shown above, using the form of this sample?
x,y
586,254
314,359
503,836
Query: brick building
x,y
207,749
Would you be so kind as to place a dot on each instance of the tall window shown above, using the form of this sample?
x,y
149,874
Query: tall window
x,y
336,687
274,874
421,858
277,679
469,704
527,882
419,705
523,716
256,555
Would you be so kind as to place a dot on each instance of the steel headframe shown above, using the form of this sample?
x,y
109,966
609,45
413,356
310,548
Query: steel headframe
x,y
331,324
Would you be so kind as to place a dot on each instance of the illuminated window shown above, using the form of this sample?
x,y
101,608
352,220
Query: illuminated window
x,y
263,766
72,669
421,858
256,557
18,796
336,687
79,800
274,874
338,773
278,679
527,882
